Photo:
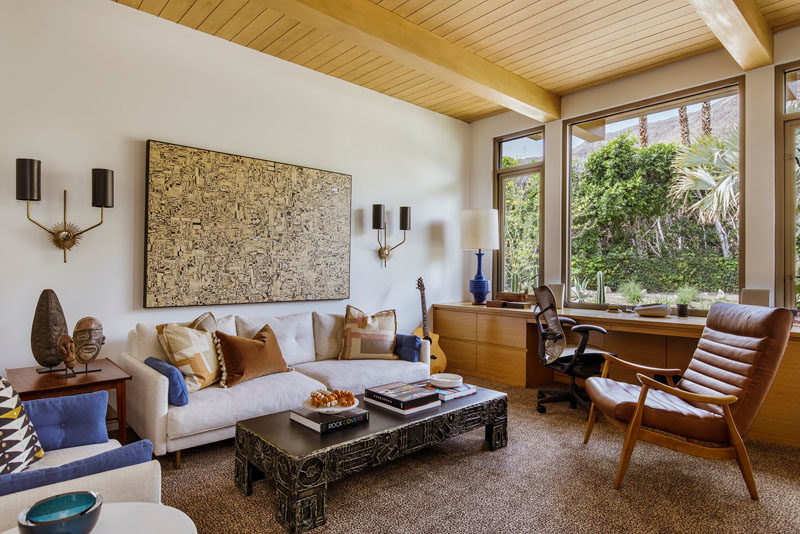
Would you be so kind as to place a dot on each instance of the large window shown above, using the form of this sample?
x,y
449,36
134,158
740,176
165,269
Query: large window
x,y
653,202
519,168
787,209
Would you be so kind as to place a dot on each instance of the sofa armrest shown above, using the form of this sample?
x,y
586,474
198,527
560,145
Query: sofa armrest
x,y
134,483
146,401
425,351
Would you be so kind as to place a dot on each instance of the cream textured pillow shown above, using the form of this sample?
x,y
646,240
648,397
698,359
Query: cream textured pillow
x,y
369,337
204,322
328,334
194,353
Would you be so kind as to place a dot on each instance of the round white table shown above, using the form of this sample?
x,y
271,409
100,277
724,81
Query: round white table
x,y
138,517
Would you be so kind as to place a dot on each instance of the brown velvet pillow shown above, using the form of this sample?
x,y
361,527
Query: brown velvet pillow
x,y
246,359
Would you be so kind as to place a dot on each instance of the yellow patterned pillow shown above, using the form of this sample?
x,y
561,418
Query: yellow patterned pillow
x,y
194,353
205,322
369,337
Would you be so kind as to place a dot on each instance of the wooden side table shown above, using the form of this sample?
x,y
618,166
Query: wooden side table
x,y
31,385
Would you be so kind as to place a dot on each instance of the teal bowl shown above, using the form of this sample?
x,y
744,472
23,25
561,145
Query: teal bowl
x,y
68,513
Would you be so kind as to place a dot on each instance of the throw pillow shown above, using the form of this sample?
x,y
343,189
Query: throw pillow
x,y
204,322
177,394
328,334
194,353
246,359
71,421
369,337
408,347
19,444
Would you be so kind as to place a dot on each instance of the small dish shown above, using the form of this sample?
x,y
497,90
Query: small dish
x,y
328,409
446,380
75,512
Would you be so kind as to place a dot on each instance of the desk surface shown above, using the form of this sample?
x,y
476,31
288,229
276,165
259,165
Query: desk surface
x,y
670,325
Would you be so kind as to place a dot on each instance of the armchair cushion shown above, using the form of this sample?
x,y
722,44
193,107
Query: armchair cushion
x,y
178,394
662,410
71,421
132,454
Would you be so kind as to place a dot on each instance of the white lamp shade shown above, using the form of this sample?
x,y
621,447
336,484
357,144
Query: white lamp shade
x,y
479,229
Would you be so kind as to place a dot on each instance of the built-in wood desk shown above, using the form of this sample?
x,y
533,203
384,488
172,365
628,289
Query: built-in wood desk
x,y
501,344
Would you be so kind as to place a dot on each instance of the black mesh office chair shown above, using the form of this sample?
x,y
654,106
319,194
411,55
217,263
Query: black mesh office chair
x,y
576,361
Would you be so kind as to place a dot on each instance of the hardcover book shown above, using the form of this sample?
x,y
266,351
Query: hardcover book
x,y
401,395
323,423
407,411
446,394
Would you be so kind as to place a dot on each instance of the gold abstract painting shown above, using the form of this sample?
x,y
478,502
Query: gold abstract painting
x,y
226,229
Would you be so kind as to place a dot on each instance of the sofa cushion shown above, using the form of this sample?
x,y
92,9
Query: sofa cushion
x,y
246,359
214,407
135,453
70,421
194,353
369,337
178,393
144,343
328,334
56,457
357,375
295,334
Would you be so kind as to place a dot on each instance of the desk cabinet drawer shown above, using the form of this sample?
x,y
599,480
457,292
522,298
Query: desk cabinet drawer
x,y
502,330
460,355
504,364
455,325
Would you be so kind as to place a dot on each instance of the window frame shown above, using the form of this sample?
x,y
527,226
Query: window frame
x,y
657,101
784,229
498,175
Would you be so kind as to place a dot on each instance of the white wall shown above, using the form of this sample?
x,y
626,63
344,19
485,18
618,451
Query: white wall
x,y
87,82
692,72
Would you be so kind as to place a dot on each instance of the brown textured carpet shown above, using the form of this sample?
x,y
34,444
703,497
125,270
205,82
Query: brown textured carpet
x,y
545,481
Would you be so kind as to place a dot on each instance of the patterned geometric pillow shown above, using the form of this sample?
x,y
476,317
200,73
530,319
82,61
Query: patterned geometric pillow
x,y
19,444
194,353
205,322
369,337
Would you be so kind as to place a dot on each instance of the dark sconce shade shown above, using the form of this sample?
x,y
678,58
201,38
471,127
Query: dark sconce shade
x,y
378,217
102,188
405,218
29,179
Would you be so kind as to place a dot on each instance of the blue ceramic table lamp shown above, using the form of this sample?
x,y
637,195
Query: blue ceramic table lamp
x,y
479,230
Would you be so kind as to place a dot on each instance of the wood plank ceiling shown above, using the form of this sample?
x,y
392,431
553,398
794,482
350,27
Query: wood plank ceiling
x,y
561,45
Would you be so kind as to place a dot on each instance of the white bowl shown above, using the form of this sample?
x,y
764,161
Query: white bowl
x,y
328,409
446,380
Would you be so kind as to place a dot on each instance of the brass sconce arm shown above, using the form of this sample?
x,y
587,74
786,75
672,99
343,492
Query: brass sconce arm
x,y
37,223
379,223
400,243
94,225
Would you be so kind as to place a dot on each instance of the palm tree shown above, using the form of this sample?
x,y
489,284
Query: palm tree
x,y
643,131
705,118
707,181
683,118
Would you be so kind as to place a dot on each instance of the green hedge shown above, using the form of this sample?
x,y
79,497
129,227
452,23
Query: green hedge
x,y
661,274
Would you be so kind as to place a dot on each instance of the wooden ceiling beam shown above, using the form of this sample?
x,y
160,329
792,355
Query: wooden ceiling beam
x,y
741,28
364,23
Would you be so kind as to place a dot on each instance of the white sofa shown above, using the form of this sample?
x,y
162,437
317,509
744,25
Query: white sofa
x,y
308,342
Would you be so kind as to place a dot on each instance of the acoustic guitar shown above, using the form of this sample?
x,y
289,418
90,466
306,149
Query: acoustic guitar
x,y
438,359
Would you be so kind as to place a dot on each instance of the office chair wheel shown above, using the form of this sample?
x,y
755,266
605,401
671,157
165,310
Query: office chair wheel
x,y
541,408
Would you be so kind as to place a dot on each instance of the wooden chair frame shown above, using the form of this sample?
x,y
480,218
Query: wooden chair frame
x,y
634,430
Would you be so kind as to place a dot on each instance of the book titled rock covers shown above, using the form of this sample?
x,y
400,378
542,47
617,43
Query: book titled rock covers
x,y
323,423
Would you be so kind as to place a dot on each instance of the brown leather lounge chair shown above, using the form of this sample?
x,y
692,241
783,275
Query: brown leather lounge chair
x,y
716,401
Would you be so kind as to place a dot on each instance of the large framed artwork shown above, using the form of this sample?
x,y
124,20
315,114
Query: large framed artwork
x,y
226,229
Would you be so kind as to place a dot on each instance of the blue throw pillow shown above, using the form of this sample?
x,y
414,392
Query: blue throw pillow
x,y
407,347
177,394
72,421
135,453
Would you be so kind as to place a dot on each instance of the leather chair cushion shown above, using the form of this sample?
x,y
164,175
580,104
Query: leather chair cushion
x,y
662,411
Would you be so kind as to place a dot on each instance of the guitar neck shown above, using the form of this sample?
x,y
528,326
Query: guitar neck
x,y
425,332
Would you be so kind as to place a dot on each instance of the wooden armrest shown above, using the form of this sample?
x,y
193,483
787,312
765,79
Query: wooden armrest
x,y
720,400
643,368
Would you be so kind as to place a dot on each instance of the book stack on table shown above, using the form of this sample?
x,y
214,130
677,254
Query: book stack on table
x,y
446,394
322,422
402,398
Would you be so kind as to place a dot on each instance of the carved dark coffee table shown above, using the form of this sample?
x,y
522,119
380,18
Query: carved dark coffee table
x,y
302,462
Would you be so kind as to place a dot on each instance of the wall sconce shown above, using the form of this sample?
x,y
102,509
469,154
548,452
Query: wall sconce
x,y
379,223
63,235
